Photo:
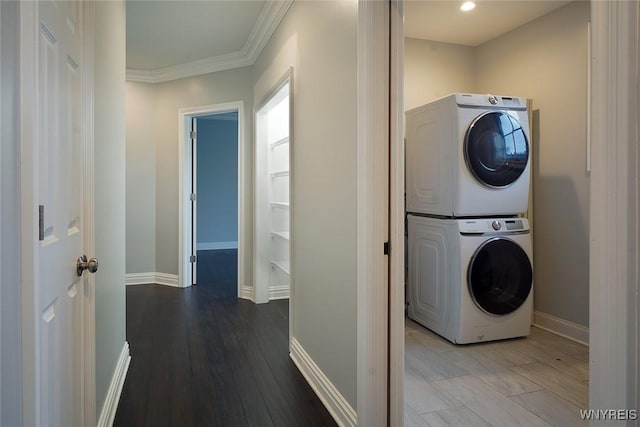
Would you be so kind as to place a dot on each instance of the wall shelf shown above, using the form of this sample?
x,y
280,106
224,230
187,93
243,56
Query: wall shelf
x,y
280,174
280,205
280,142
281,234
282,265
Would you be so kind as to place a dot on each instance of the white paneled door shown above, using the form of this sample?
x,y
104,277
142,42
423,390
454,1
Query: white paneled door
x,y
57,89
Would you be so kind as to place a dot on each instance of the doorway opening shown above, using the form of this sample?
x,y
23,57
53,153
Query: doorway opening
x,y
555,348
215,200
272,190
211,193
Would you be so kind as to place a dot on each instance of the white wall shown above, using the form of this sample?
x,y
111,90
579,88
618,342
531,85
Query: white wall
x,y
10,301
141,178
109,117
546,60
319,40
434,69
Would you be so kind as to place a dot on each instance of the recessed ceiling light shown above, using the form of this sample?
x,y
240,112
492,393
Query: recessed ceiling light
x,y
467,6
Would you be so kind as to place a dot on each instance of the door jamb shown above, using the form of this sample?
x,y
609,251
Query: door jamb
x,y
397,215
184,174
372,205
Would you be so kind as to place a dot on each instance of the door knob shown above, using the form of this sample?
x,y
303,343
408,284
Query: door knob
x,y
82,264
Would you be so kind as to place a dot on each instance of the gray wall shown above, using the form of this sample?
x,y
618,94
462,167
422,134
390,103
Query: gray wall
x,y
433,70
224,86
217,170
319,40
10,302
141,178
545,60
152,161
109,119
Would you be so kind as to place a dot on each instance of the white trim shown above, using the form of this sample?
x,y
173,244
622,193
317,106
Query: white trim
x,y
152,278
89,229
246,292
265,25
184,176
396,230
564,328
2,337
278,292
330,396
372,212
262,203
29,253
210,246
614,358
110,406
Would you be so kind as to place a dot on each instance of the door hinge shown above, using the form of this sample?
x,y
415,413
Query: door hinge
x,y
387,248
192,134
192,259
192,197
41,222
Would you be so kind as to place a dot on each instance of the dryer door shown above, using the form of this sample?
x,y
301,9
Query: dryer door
x,y
496,149
500,276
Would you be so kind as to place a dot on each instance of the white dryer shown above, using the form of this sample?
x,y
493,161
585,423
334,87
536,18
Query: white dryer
x,y
468,155
470,280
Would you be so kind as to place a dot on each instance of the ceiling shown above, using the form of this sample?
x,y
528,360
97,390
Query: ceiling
x,y
166,33
168,39
443,21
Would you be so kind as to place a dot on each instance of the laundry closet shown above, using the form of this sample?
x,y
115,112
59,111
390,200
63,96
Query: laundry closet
x,y
527,84
544,61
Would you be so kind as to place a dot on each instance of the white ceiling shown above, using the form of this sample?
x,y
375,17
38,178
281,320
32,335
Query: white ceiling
x,y
168,39
443,21
164,33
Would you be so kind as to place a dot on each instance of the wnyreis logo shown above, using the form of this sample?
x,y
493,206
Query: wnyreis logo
x,y
609,414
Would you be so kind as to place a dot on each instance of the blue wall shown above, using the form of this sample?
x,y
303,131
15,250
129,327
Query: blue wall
x,y
217,181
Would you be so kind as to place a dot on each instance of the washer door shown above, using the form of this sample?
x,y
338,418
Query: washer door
x,y
500,276
496,149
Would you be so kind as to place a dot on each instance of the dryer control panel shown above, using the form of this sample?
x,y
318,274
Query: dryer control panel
x,y
493,225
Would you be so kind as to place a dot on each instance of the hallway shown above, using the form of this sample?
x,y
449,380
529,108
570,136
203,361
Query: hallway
x,y
202,357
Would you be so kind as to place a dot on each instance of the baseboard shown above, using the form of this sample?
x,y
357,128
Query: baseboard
x,y
246,292
208,246
110,406
332,399
564,328
279,292
152,278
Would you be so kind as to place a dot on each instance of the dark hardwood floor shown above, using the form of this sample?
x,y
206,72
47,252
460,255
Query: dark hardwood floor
x,y
202,357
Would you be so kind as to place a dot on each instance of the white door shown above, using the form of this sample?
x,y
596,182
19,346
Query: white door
x,y
59,293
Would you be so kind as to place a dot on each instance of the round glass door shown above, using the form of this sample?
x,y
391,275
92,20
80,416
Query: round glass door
x,y
496,149
500,276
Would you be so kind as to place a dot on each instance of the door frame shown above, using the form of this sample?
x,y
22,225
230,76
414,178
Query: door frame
x,y
28,204
376,213
185,171
260,278
614,358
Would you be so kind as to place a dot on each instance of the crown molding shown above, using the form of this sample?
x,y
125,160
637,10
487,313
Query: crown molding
x,y
266,24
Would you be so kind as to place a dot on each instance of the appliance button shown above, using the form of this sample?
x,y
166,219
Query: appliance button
x,y
493,100
496,225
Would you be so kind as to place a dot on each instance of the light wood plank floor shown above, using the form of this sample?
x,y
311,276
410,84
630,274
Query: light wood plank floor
x,y
540,380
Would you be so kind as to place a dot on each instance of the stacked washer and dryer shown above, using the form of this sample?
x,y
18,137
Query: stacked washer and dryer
x,y
470,274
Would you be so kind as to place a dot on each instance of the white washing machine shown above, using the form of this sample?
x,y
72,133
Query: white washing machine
x,y
471,280
467,155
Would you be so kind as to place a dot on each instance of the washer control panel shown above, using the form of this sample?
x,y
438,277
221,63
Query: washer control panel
x,y
498,225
